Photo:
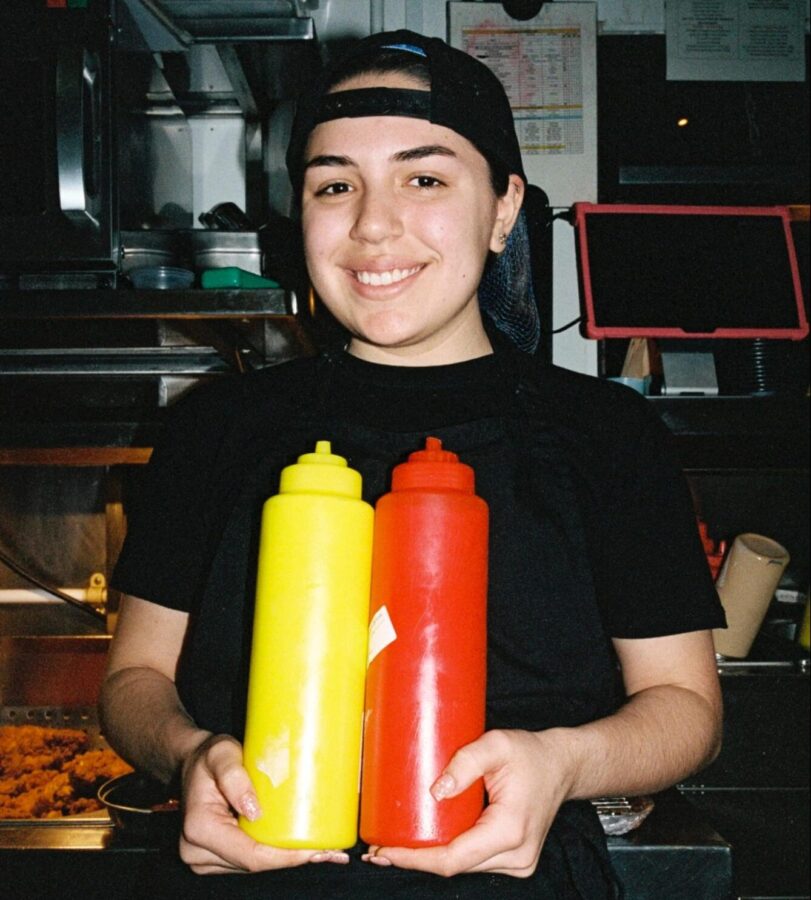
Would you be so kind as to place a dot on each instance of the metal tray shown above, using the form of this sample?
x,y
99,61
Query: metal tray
x,y
84,718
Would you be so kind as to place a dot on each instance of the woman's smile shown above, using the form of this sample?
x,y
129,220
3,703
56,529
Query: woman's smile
x,y
385,277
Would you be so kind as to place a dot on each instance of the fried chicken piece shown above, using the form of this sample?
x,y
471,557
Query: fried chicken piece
x,y
41,801
27,748
90,770
27,781
44,772
94,764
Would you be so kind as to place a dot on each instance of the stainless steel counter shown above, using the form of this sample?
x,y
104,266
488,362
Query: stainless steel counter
x,y
674,855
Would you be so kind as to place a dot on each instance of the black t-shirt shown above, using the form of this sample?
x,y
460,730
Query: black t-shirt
x,y
592,532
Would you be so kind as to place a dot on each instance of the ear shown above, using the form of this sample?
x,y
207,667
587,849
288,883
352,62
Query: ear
x,y
507,209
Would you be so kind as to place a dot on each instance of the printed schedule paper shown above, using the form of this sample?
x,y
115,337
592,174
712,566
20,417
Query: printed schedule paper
x,y
548,67
735,40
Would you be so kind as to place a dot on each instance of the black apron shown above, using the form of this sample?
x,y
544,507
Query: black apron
x,y
538,504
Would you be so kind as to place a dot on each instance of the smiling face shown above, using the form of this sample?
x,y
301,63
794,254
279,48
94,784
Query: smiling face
x,y
398,216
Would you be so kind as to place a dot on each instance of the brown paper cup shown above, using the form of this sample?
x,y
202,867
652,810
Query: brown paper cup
x,y
746,585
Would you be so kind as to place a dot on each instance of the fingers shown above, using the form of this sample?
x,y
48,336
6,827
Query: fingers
x,y
221,756
473,850
484,848
473,761
508,836
216,784
219,868
208,847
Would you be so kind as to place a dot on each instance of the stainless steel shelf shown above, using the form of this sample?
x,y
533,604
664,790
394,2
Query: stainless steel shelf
x,y
113,361
738,433
174,25
125,304
24,442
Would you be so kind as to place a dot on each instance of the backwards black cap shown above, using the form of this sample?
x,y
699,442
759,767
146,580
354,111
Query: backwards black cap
x,y
464,96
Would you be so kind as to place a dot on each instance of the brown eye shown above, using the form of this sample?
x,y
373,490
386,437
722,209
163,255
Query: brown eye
x,y
331,190
426,181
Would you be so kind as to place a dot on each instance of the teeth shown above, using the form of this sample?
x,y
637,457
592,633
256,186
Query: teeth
x,y
391,276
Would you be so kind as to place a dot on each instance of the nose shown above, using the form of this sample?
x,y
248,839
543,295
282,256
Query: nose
x,y
377,217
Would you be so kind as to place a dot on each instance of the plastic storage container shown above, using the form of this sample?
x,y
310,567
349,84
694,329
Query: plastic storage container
x,y
234,277
161,278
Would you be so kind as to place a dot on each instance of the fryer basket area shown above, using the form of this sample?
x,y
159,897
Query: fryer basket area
x,y
84,718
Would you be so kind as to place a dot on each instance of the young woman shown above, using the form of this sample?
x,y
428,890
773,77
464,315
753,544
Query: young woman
x,y
410,180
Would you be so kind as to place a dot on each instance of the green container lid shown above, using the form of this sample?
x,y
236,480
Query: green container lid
x,y
234,277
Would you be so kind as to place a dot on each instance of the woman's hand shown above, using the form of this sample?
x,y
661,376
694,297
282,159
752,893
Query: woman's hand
x,y
526,775
215,784
669,727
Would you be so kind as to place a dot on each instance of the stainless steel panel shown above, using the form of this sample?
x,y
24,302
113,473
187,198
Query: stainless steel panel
x,y
155,155
52,672
113,361
78,138
217,249
57,219
113,305
172,24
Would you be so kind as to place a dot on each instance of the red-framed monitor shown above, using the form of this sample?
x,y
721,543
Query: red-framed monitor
x,y
688,272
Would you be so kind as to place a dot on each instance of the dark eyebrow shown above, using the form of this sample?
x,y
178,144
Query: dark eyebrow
x,y
415,153
327,160
422,152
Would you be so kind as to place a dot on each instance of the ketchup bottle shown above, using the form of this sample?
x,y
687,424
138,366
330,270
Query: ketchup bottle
x,y
426,680
308,657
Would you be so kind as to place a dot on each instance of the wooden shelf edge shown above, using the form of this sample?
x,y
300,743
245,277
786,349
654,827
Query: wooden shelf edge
x,y
74,456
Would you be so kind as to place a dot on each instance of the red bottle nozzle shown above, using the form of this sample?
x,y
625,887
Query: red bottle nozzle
x,y
433,452
433,469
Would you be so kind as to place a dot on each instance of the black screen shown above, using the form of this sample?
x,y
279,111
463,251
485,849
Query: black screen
x,y
697,273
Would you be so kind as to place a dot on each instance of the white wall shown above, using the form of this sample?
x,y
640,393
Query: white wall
x,y
218,141
218,145
343,18
569,349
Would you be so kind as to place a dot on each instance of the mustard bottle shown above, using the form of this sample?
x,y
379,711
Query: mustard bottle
x,y
308,657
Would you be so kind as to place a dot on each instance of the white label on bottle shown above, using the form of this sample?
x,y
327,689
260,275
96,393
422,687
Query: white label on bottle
x,y
275,758
381,633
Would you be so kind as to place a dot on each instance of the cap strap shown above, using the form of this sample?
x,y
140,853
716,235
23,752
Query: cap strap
x,y
377,101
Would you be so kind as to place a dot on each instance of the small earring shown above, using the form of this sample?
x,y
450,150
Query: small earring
x,y
502,238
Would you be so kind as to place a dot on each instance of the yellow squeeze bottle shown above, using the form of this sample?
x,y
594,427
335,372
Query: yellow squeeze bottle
x,y
308,657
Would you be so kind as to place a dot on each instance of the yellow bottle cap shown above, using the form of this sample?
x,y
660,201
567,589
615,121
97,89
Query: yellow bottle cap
x,y
321,472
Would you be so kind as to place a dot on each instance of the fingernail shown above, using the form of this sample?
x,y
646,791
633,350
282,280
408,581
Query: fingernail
x,y
250,808
379,860
443,787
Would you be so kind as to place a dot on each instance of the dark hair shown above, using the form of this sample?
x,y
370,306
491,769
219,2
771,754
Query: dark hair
x,y
411,65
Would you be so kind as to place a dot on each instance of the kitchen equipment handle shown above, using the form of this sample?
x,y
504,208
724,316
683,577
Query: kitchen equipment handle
x,y
15,567
78,137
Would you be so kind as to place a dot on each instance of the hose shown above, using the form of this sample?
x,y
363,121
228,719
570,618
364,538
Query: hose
x,y
24,573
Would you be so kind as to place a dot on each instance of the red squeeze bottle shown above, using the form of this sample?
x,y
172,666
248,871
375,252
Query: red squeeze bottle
x,y
427,669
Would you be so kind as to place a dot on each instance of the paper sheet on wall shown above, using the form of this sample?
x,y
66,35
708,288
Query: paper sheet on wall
x,y
735,40
548,67
631,16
